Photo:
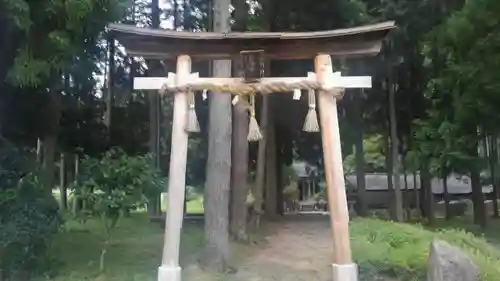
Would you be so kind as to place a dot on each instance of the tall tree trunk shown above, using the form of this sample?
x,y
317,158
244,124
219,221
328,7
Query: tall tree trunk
x,y
416,192
390,183
493,164
427,195
155,69
177,20
131,59
132,73
239,168
477,191
239,171
111,83
63,177
362,206
446,194
77,202
216,199
260,181
271,190
398,213
48,165
279,172
39,148
50,137
8,49
69,168
477,199
153,99
406,191
63,183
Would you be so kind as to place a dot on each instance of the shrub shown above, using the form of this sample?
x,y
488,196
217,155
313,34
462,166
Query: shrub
x,y
401,250
113,185
29,218
116,182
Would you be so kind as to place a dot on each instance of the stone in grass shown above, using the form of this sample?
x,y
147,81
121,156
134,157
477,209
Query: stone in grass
x,y
448,263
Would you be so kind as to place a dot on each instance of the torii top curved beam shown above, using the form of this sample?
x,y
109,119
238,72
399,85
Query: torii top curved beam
x,y
163,44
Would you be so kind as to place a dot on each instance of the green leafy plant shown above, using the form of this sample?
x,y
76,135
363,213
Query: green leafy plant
x,y
114,185
29,218
373,155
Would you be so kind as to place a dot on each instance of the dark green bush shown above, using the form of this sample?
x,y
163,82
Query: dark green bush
x,y
29,218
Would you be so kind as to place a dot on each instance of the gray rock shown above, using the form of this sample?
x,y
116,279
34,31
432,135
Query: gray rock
x,y
448,263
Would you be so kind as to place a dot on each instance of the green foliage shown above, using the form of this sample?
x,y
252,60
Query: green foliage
x,y
463,66
28,218
117,182
401,250
19,13
52,33
373,153
113,185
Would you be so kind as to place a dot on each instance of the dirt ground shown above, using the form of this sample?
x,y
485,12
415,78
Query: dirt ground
x,y
297,249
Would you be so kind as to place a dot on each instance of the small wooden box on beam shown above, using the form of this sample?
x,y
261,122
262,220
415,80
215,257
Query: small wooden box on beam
x,y
251,65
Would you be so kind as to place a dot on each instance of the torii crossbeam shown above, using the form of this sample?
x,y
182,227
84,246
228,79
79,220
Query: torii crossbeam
x,y
342,43
156,83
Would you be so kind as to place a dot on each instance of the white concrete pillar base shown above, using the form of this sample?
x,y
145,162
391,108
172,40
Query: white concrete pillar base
x,y
169,273
345,272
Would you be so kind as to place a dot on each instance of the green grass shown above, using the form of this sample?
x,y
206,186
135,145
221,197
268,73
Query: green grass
x,y
195,206
135,251
379,247
134,254
192,207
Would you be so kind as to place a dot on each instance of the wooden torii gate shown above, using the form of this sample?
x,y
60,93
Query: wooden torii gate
x,y
322,45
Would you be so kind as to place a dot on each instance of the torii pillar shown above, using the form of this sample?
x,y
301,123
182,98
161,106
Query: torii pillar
x,y
343,267
170,269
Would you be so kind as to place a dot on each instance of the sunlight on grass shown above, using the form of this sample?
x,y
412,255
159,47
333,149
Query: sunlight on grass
x,y
193,206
